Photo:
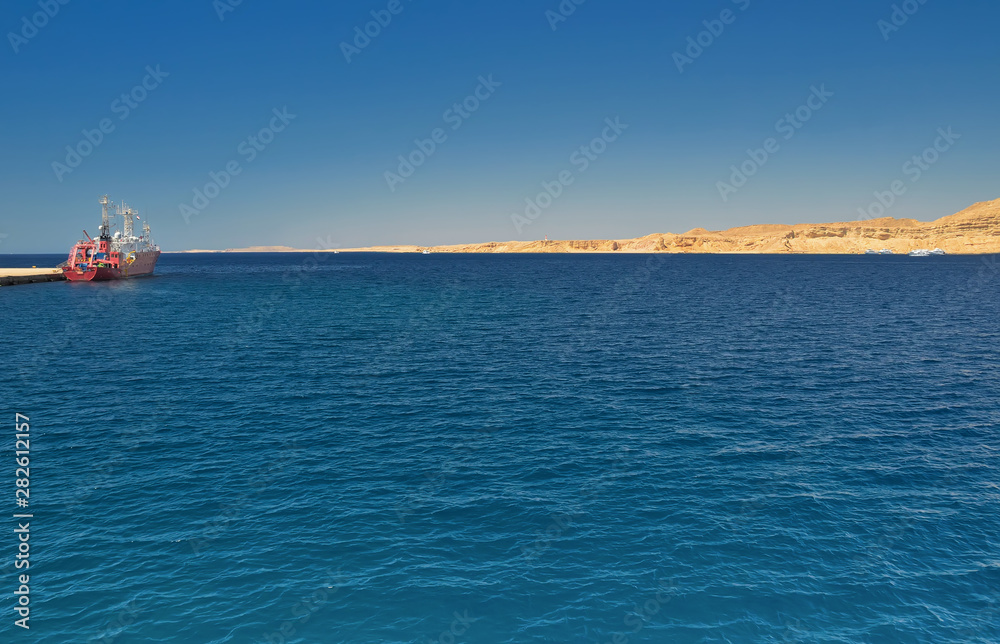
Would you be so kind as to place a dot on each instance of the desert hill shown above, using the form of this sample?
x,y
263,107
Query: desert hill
x,y
973,230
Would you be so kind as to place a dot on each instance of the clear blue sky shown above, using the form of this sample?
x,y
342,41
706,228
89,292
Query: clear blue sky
x,y
323,175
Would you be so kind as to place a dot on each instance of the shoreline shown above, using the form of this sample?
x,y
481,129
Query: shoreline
x,y
360,251
973,231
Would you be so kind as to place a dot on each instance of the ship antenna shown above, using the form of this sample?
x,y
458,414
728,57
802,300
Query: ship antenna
x,y
105,225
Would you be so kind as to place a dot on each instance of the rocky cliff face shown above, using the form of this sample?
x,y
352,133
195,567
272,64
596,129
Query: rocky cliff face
x,y
974,230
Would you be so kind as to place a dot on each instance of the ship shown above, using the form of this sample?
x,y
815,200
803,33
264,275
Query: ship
x,y
113,256
923,252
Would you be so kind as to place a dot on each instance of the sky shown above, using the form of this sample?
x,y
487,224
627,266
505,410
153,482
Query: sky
x,y
231,123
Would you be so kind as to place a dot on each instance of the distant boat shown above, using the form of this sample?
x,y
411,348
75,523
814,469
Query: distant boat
x,y
426,252
938,251
920,252
871,252
885,251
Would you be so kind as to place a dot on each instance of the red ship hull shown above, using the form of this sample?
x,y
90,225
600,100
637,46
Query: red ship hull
x,y
143,265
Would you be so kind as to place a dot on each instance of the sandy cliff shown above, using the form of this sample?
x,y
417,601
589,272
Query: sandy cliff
x,y
974,230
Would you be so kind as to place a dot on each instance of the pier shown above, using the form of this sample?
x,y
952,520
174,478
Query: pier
x,y
15,276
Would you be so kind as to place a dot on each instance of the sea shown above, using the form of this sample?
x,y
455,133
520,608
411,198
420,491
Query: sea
x,y
604,449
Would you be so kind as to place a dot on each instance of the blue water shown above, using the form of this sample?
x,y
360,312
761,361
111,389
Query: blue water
x,y
510,449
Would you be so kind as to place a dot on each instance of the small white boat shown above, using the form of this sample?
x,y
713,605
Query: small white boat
x,y
426,252
920,252
885,251
871,252
938,251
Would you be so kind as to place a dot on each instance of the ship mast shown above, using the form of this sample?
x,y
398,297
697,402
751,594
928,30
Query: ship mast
x,y
127,213
105,224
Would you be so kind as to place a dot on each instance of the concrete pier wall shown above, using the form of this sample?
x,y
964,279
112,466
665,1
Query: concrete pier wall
x,y
15,276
